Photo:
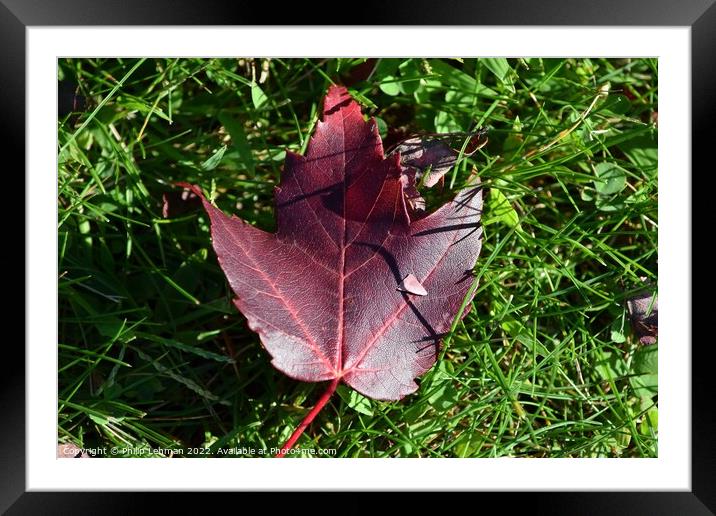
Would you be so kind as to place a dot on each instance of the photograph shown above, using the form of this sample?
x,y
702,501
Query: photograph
x,y
357,257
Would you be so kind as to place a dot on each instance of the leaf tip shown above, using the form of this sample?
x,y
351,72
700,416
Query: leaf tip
x,y
336,98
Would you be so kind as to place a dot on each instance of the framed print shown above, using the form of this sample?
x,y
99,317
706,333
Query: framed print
x,y
415,258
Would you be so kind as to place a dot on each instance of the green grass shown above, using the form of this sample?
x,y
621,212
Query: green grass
x,y
152,354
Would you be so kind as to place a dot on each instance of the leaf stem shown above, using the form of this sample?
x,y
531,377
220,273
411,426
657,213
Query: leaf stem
x,y
309,417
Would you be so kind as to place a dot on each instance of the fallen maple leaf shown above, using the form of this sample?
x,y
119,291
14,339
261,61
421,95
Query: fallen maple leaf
x,y
349,288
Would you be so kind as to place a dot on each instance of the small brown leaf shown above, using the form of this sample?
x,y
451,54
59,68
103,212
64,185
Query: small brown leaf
x,y
644,316
431,156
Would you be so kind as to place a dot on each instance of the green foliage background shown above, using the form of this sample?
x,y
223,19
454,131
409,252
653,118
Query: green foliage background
x,y
153,354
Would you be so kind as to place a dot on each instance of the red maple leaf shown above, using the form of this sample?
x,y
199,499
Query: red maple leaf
x,y
349,288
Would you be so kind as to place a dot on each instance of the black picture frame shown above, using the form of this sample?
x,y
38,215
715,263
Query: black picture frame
x,y
17,15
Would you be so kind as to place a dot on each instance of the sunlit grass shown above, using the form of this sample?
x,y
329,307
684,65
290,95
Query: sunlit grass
x,y
152,353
